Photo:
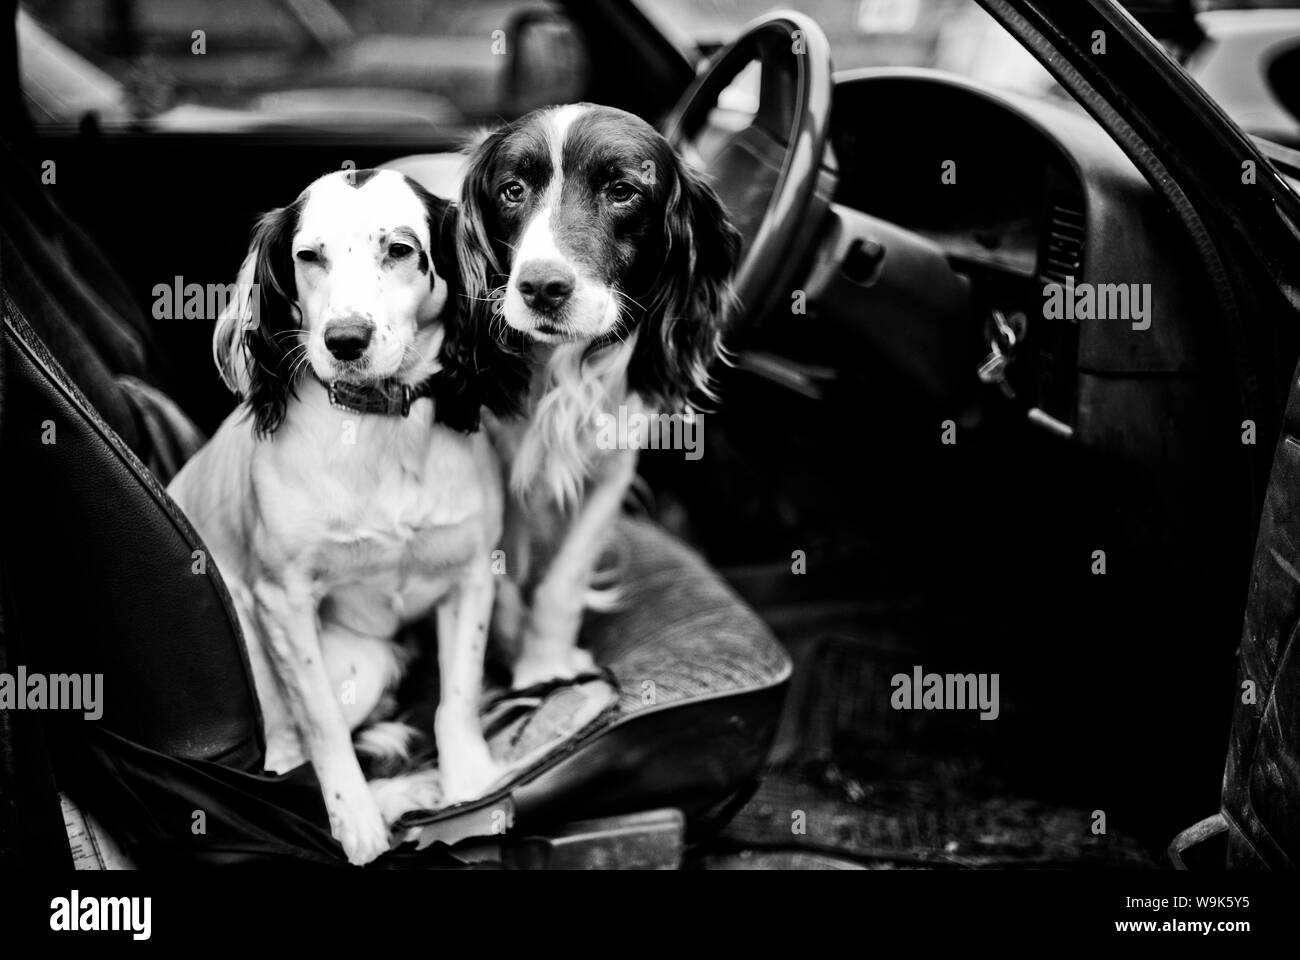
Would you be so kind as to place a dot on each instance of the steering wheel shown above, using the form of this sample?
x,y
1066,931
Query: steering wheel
x,y
886,286
783,148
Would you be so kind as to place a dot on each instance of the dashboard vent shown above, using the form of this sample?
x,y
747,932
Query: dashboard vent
x,y
1063,253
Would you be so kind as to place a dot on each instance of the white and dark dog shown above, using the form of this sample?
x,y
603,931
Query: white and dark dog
x,y
359,495
584,238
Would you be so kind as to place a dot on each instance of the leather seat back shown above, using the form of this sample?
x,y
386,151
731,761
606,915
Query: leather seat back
x,y
102,573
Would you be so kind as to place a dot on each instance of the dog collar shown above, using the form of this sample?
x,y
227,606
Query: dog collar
x,y
386,397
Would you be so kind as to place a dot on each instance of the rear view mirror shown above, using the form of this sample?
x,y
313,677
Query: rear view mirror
x,y
546,64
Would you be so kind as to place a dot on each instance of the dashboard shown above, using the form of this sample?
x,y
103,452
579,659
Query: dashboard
x,y
1021,196
979,183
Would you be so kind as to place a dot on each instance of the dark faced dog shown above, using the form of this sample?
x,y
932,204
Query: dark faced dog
x,y
584,238
580,224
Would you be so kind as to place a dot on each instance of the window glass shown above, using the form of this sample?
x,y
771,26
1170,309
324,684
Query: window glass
x,y
177,64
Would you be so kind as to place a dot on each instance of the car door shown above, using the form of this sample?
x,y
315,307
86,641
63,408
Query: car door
x,y
1245,217
1261,784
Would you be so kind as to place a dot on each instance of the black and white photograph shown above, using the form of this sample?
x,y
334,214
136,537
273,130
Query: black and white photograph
x,y
518,436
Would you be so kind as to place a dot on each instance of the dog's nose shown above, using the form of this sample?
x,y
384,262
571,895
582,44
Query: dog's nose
x,y
545,284
346,339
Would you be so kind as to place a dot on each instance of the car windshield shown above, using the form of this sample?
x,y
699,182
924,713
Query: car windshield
x,y
1245,53
203,62
439,66
952,35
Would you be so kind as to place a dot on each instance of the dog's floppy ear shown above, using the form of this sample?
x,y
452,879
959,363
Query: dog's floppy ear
x,y
440,218
476,370
481,268
228,336
264,332
692,299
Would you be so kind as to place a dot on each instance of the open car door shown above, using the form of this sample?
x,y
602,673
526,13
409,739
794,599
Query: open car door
x,y
1261,784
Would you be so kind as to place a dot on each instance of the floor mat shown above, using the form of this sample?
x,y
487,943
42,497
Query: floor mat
x,y
855,782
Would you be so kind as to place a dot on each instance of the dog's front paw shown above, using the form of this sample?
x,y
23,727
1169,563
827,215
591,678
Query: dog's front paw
x,y
534,668
357,824
407,793
466,768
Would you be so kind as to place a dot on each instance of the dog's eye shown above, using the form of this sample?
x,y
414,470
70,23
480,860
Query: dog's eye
x,y
512,192
307,256
398,250
621,192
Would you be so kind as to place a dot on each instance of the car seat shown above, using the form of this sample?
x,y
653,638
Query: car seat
x,y
101,573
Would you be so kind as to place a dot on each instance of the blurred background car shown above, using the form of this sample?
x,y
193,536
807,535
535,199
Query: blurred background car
x,y
347,63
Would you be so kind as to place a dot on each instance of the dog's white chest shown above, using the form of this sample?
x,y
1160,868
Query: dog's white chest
x,y
409,532
390,520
